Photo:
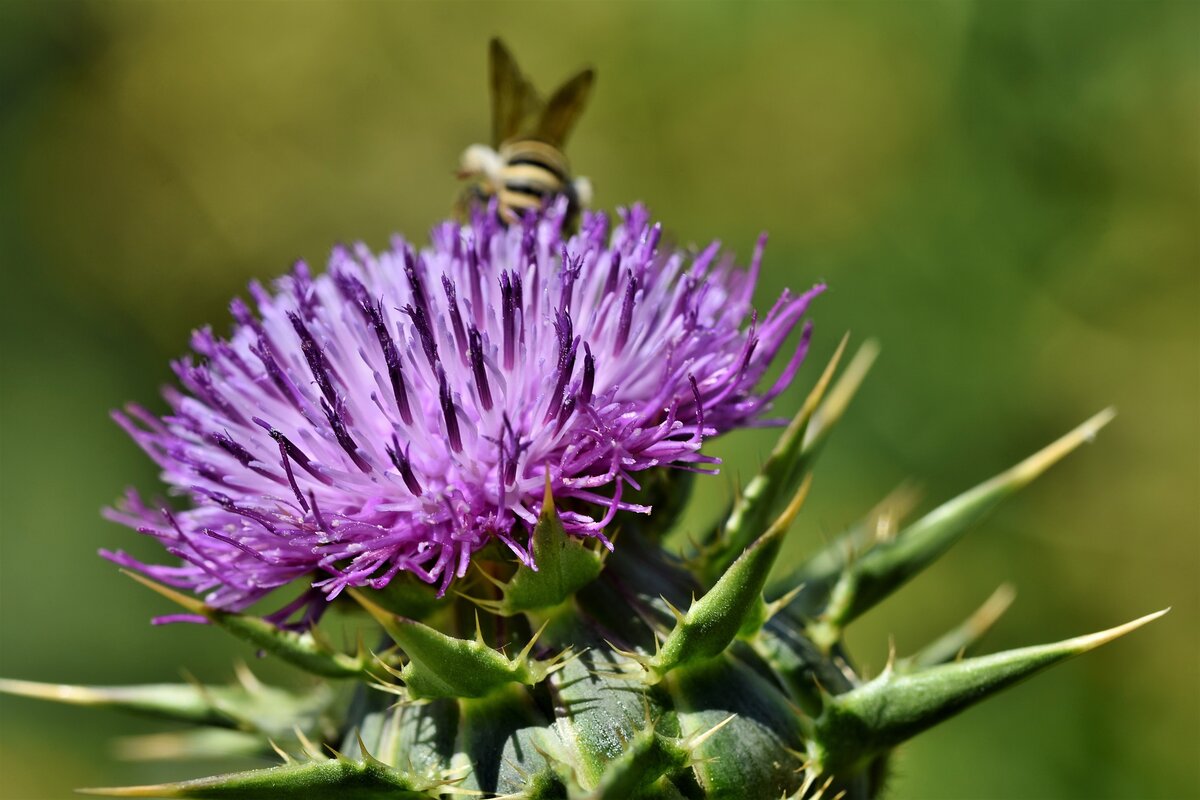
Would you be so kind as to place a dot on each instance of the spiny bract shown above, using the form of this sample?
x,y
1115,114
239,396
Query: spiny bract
x,y
376,438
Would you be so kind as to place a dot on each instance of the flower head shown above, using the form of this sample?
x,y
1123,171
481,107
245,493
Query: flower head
x,y
404,409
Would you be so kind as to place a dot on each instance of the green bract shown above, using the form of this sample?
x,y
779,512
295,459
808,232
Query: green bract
x,y
639,674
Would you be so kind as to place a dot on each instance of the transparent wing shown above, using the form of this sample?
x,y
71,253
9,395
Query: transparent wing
x,y
564,108
514,100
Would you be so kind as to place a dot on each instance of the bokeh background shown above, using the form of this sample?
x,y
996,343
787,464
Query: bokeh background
x,y
1006,195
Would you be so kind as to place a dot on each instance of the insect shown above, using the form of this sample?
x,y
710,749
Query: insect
x,y
525,166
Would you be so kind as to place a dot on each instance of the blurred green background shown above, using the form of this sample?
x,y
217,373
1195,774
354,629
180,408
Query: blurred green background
x,y
1005,194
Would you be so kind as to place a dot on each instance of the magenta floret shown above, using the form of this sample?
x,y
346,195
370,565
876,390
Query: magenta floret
x,y
402,410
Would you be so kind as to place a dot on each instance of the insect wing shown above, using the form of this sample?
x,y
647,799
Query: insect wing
x,y
564,108
514,100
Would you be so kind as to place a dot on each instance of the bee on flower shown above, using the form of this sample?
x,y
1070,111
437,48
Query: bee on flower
x,y
506,397
525,167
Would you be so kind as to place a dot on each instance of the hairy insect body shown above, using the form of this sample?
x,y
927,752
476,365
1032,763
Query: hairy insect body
x,y
532,172
525,166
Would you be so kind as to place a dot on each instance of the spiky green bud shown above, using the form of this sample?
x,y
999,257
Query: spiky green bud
x,y
631,675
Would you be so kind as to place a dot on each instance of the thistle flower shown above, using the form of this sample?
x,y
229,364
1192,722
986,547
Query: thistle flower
x,y
492,399
404,409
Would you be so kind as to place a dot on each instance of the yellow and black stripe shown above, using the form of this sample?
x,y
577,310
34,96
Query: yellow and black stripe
x,y
533,172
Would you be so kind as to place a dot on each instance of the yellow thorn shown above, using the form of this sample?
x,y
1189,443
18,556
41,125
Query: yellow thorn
x,y
479,631
843,391
824,787
775,606
490,606
891,656
515,767
528,648
364,752
64,693
156,790
152,747
378,612
680,617
891,510
395,673
338,754
495,581
360,649
247,679
320,639
785,520
695,741
1093,640
179,598
1042,460
818,391
389,688
310,749
992,609
279,751
547,496
553,665
616,676
626,653
810,777
646,716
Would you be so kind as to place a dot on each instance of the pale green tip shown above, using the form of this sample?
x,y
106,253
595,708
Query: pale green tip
x,y
789,461
303,650
1042,460
856,726
155,790
965,636
715,620
890,564
58,692
183,702
445,666
831,410
563,565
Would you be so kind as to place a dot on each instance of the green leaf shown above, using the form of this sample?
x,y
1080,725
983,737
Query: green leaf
x,y
802,669
715,620
787,464
890,564
190,745
753,755
647,758
563,566
866,721
303,650
445,666
962,638
180,702
410,597
341,778
501,742
247,705
600,709
816,575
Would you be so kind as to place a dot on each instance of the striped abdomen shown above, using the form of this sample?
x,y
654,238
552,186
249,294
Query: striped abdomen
x,y
533,172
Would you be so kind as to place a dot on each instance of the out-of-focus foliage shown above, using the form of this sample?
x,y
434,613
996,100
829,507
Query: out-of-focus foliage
x,y
1006,194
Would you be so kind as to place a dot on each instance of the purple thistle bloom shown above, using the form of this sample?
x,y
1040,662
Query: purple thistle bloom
x,y
403,410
